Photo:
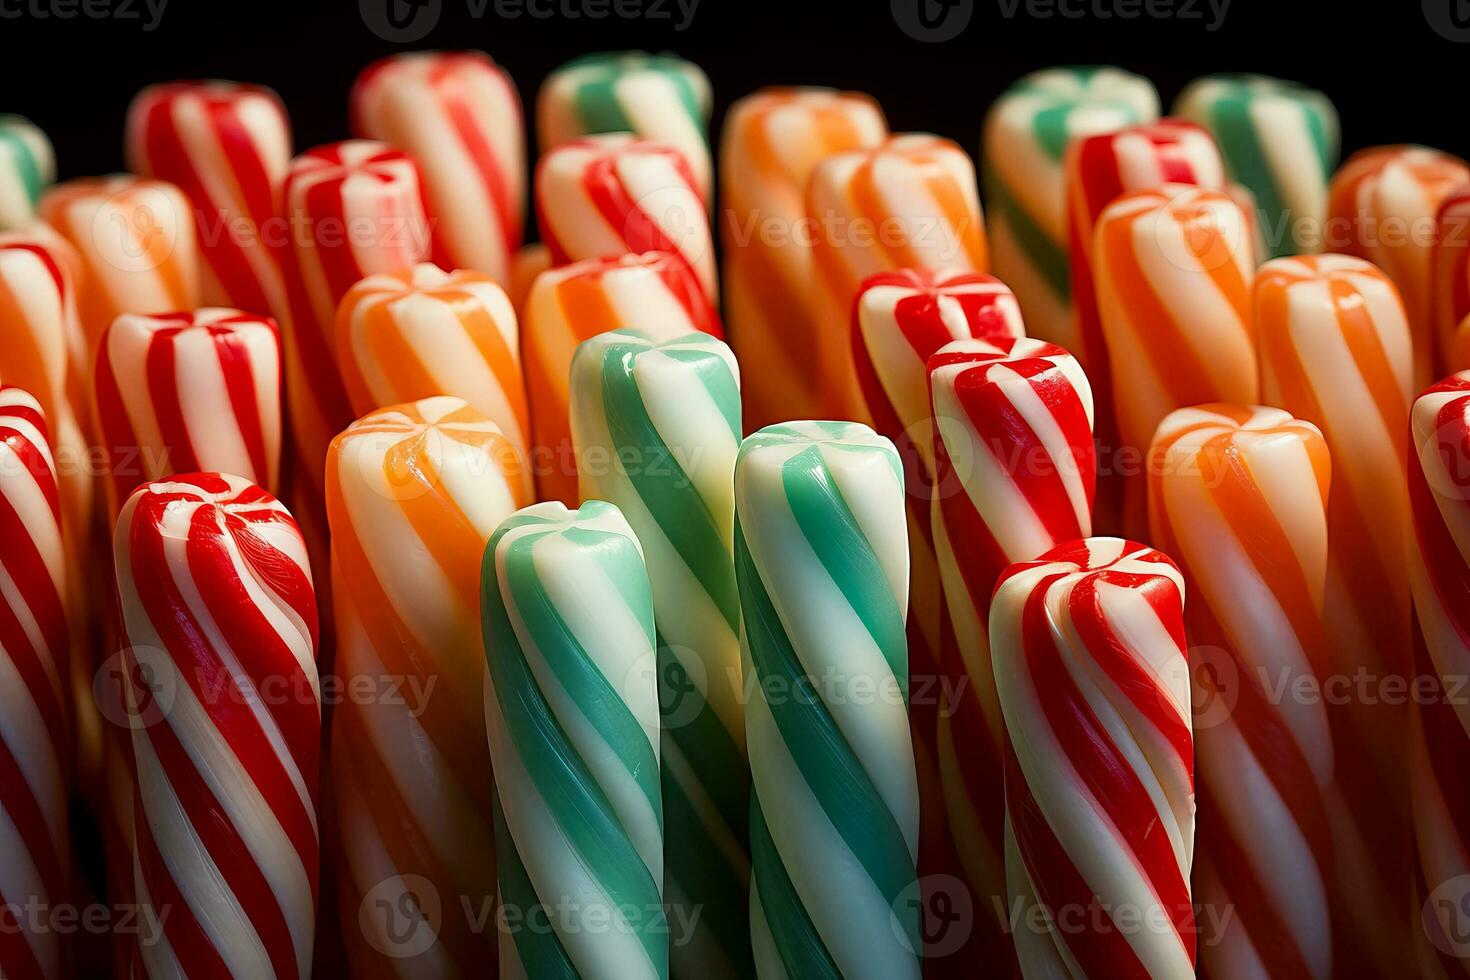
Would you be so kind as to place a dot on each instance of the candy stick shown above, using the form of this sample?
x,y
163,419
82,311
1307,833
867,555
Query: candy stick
x,y
188,392
603,196
654,293
1092,676
771,142
908,204
1439,567
656,96
1025,140
1450,280
822,565
41,339
135,242
420,332
413,493
457,113
35,739
225,708
226,146
1384,203
657,428
1014,470
27,165
1280,141
1335,351
1239,495
1173,269
572,713
352,209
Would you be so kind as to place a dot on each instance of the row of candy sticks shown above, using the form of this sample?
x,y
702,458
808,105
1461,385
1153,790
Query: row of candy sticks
x,y
856,698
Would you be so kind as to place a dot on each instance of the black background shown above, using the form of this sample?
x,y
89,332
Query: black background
x,y
1393,76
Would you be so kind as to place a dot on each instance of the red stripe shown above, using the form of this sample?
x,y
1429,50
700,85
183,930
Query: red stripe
x,y
448,83
239,375
163,389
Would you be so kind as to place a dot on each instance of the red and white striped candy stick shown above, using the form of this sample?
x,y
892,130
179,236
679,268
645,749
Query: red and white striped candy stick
x,y
900,319
135,245
603,196
34,735
910,203
1439,571
1336,351
221,622
457,113
352,209
1014,469
1239,495
1092,675
226,146
188,392
1173,267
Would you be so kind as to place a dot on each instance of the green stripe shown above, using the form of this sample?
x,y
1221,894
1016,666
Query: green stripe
x,y
27,167
1047,256
803,954
598,106
539,948
571,792
672,501
833,531
1245,157
837,779
704,741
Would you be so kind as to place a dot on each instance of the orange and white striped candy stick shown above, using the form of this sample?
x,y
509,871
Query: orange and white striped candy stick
x,y
35,739
224,703
654,294
615,194
135,244
910,203
1238,495
1173,268
1335,350
1014,469
188,392
457,113
1450,280
1092,675
772,141
352,209
419,332
414,492
1382,206
41,340
226,146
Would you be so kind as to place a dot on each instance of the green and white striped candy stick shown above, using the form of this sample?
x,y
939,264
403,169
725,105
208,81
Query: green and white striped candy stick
x,y
656,96
821,558
1026,135
571,710
1280,142
657,429
27,167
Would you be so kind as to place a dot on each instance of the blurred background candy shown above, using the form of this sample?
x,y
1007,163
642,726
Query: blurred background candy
x,y
1023,152
27,166
458,115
